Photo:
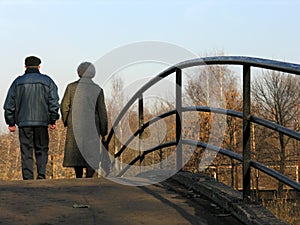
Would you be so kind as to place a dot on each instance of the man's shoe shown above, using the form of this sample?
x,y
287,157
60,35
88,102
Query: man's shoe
x,y
41,176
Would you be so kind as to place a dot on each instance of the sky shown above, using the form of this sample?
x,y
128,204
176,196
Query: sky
x,y
65,33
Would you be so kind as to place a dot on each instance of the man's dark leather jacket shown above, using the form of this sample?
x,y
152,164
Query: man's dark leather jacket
x,y
32,100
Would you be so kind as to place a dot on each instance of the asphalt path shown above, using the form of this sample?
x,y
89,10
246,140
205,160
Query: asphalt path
x,y
101,201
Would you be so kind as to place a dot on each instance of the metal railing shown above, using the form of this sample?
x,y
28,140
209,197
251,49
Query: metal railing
x,y
245,158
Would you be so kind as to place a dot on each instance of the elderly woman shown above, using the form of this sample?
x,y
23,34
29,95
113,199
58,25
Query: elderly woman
x,y
84,114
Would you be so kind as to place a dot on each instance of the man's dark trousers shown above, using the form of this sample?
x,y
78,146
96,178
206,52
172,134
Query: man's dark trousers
x,y
37,139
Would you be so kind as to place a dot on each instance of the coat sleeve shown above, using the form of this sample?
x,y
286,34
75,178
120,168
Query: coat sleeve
x,y
10,106
53,103
102,113
65,106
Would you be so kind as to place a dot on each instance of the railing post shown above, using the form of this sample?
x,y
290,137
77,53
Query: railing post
x,y
246,133
178,118
141,123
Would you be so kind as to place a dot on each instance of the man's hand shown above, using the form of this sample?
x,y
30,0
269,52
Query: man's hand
x,y
12,128
52,126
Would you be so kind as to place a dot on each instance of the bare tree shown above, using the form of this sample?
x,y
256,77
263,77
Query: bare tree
x,y
276,98
216,86
115,103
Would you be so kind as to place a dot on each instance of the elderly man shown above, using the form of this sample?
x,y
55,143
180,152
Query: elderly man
x,y
32,105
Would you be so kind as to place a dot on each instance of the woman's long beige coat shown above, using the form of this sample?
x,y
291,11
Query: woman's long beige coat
x,y
72,155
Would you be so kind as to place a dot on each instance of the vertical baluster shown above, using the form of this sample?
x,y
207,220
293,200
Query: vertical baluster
x,y
141,124
246,133
178,118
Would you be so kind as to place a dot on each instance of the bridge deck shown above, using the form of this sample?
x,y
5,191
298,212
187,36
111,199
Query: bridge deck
x,y
49,202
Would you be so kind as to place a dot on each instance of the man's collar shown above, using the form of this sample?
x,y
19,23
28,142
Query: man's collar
x,y
32,70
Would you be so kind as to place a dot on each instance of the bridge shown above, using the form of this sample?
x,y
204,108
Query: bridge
x,y
100,201
239,205
247,63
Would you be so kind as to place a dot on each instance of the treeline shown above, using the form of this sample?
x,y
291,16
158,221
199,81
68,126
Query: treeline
x,y
275,97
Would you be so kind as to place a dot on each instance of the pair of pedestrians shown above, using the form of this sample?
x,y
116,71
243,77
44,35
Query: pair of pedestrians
x,y
32,104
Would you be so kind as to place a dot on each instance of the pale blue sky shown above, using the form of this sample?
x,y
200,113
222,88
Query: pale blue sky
x,y
65,33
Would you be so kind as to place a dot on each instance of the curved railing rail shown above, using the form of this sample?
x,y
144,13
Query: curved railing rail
x,y
271,172
247,63
221,60
254,119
